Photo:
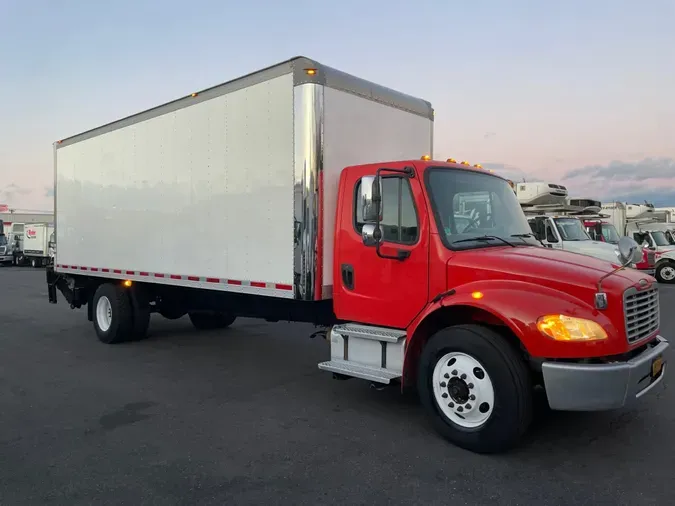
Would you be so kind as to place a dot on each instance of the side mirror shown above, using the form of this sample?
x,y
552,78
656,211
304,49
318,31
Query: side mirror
x,y
629,251
371,234
370,198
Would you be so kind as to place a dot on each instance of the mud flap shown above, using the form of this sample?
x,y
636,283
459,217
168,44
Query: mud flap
x,y
52,278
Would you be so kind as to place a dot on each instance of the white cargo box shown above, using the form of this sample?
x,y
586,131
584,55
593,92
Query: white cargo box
x,y
231,188
36,239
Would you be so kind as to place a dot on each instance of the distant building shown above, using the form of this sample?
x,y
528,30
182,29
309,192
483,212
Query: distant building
x,y
18,217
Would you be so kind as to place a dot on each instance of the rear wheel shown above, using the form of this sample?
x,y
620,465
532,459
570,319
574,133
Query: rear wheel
x,y
476,388
112,314
208,320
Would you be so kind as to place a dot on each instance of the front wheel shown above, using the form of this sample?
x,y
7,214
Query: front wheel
x,y
476,388
665,272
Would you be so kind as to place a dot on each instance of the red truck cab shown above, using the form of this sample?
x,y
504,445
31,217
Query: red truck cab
x,y
488,312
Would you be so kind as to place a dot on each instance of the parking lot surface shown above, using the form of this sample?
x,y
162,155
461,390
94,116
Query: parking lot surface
x,y
244,416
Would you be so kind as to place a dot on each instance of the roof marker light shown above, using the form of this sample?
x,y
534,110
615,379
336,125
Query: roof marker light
x,y
310,72
451,160
194,95
464,162
426,158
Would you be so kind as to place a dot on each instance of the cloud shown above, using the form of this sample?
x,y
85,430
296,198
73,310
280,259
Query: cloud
x,y
490,135
648,168
49,191
651,179
511,172
9,193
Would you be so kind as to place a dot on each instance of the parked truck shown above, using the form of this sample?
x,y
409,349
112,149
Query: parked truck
x,y
36,243
637,221
320,209
561,227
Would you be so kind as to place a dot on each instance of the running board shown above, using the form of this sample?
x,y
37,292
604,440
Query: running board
x,y
346,368
368,332
363,351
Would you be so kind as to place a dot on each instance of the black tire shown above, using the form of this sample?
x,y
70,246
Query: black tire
x,y
513,392
121,321
208,320
664,271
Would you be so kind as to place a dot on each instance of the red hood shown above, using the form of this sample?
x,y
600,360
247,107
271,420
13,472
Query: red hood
x,y
542,266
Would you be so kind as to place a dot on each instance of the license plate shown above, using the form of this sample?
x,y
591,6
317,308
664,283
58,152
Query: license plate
x,y
657,366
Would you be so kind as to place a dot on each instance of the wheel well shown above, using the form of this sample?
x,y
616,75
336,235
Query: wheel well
x,y
447,317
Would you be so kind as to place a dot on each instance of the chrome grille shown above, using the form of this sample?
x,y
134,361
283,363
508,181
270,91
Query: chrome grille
x,y
641,312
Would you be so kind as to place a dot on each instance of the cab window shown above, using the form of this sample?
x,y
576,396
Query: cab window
x,y
399,222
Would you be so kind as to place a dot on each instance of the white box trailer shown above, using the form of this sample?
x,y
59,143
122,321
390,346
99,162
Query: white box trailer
x,y
249,167
36,243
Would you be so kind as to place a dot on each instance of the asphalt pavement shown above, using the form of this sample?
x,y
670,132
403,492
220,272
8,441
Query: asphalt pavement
x,y
244,416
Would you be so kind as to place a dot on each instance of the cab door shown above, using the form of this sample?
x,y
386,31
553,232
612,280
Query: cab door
x,y
368,288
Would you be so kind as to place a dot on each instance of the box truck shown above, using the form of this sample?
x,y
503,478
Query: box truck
x,y
315,199
36,243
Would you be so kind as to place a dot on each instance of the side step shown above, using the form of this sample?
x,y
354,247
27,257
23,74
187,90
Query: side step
x,y
363,351
376,374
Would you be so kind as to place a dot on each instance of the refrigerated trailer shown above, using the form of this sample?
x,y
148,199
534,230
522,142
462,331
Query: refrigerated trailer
x,y
314,198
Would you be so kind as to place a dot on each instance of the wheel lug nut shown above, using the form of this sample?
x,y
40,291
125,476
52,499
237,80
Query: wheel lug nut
x,y
446,375
470,385
463,376
468,406
454,372
451,405
460,408
472,397
443,384
445,396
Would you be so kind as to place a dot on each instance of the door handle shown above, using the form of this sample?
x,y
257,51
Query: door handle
x,y
347,276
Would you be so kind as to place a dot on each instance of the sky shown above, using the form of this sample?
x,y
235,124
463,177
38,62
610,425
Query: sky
x,y
578,92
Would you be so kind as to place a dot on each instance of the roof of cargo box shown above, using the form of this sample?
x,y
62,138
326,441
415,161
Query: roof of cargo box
x,y
304,70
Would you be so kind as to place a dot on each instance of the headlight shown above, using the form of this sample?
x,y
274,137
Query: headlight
x,y
568,328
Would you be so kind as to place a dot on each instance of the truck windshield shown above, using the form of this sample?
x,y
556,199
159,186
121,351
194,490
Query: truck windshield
x,y
609,233
571,229
660,238
469,204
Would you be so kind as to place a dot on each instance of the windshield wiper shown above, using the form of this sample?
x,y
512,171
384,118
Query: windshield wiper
x,y
485,238
528,235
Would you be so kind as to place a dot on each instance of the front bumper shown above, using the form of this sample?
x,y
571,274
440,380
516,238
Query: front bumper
x,y
6,258
599,387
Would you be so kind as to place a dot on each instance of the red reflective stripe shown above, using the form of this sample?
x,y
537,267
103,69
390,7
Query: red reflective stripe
x,y
233,282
